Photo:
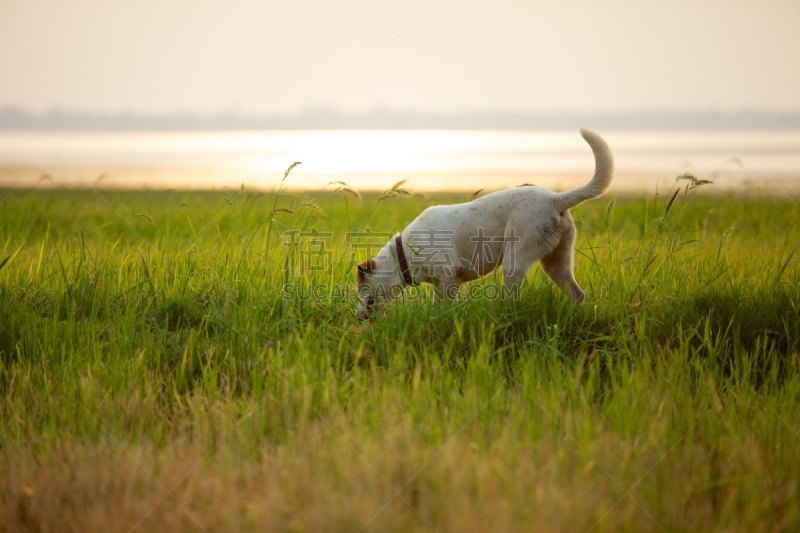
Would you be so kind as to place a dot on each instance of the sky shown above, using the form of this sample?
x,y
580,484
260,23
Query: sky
x,y
429,56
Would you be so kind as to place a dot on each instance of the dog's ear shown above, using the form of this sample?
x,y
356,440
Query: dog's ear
x,y
365,269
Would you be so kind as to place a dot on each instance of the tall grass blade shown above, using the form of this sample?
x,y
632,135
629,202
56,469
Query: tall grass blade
x,y
776,280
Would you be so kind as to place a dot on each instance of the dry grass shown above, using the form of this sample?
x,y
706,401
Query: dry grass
x,y
337,481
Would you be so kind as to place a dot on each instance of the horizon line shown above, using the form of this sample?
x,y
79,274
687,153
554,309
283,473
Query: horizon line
x,y
15,119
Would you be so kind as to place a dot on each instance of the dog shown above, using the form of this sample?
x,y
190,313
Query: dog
x,y
448,245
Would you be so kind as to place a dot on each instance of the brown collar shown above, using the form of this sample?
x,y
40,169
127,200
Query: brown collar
x,y
401,258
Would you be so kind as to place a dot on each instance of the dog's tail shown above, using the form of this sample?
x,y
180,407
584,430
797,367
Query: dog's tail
x,y
603,174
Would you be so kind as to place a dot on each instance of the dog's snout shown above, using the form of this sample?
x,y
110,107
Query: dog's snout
x,y
363,314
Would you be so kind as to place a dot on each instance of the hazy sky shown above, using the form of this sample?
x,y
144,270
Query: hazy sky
x,y
284,57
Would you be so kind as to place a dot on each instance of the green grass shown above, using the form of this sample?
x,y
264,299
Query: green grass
x,y
191,361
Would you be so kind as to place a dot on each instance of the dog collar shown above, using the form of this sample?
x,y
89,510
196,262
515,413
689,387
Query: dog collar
x,y
401,259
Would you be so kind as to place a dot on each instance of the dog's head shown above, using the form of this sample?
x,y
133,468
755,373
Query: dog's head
x,y
366,289
377,283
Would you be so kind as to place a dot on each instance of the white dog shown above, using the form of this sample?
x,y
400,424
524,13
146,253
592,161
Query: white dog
x,y
448,245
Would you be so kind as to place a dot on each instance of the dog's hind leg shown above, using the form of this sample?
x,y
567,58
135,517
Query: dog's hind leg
x,y
517,259
521,249
559,264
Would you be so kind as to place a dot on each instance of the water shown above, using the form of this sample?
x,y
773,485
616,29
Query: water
x,y
429,160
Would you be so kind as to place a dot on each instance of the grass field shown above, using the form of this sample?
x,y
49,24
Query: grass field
x,y
191,361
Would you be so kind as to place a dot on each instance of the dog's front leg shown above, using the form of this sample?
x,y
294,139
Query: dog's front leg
x,y
446,290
